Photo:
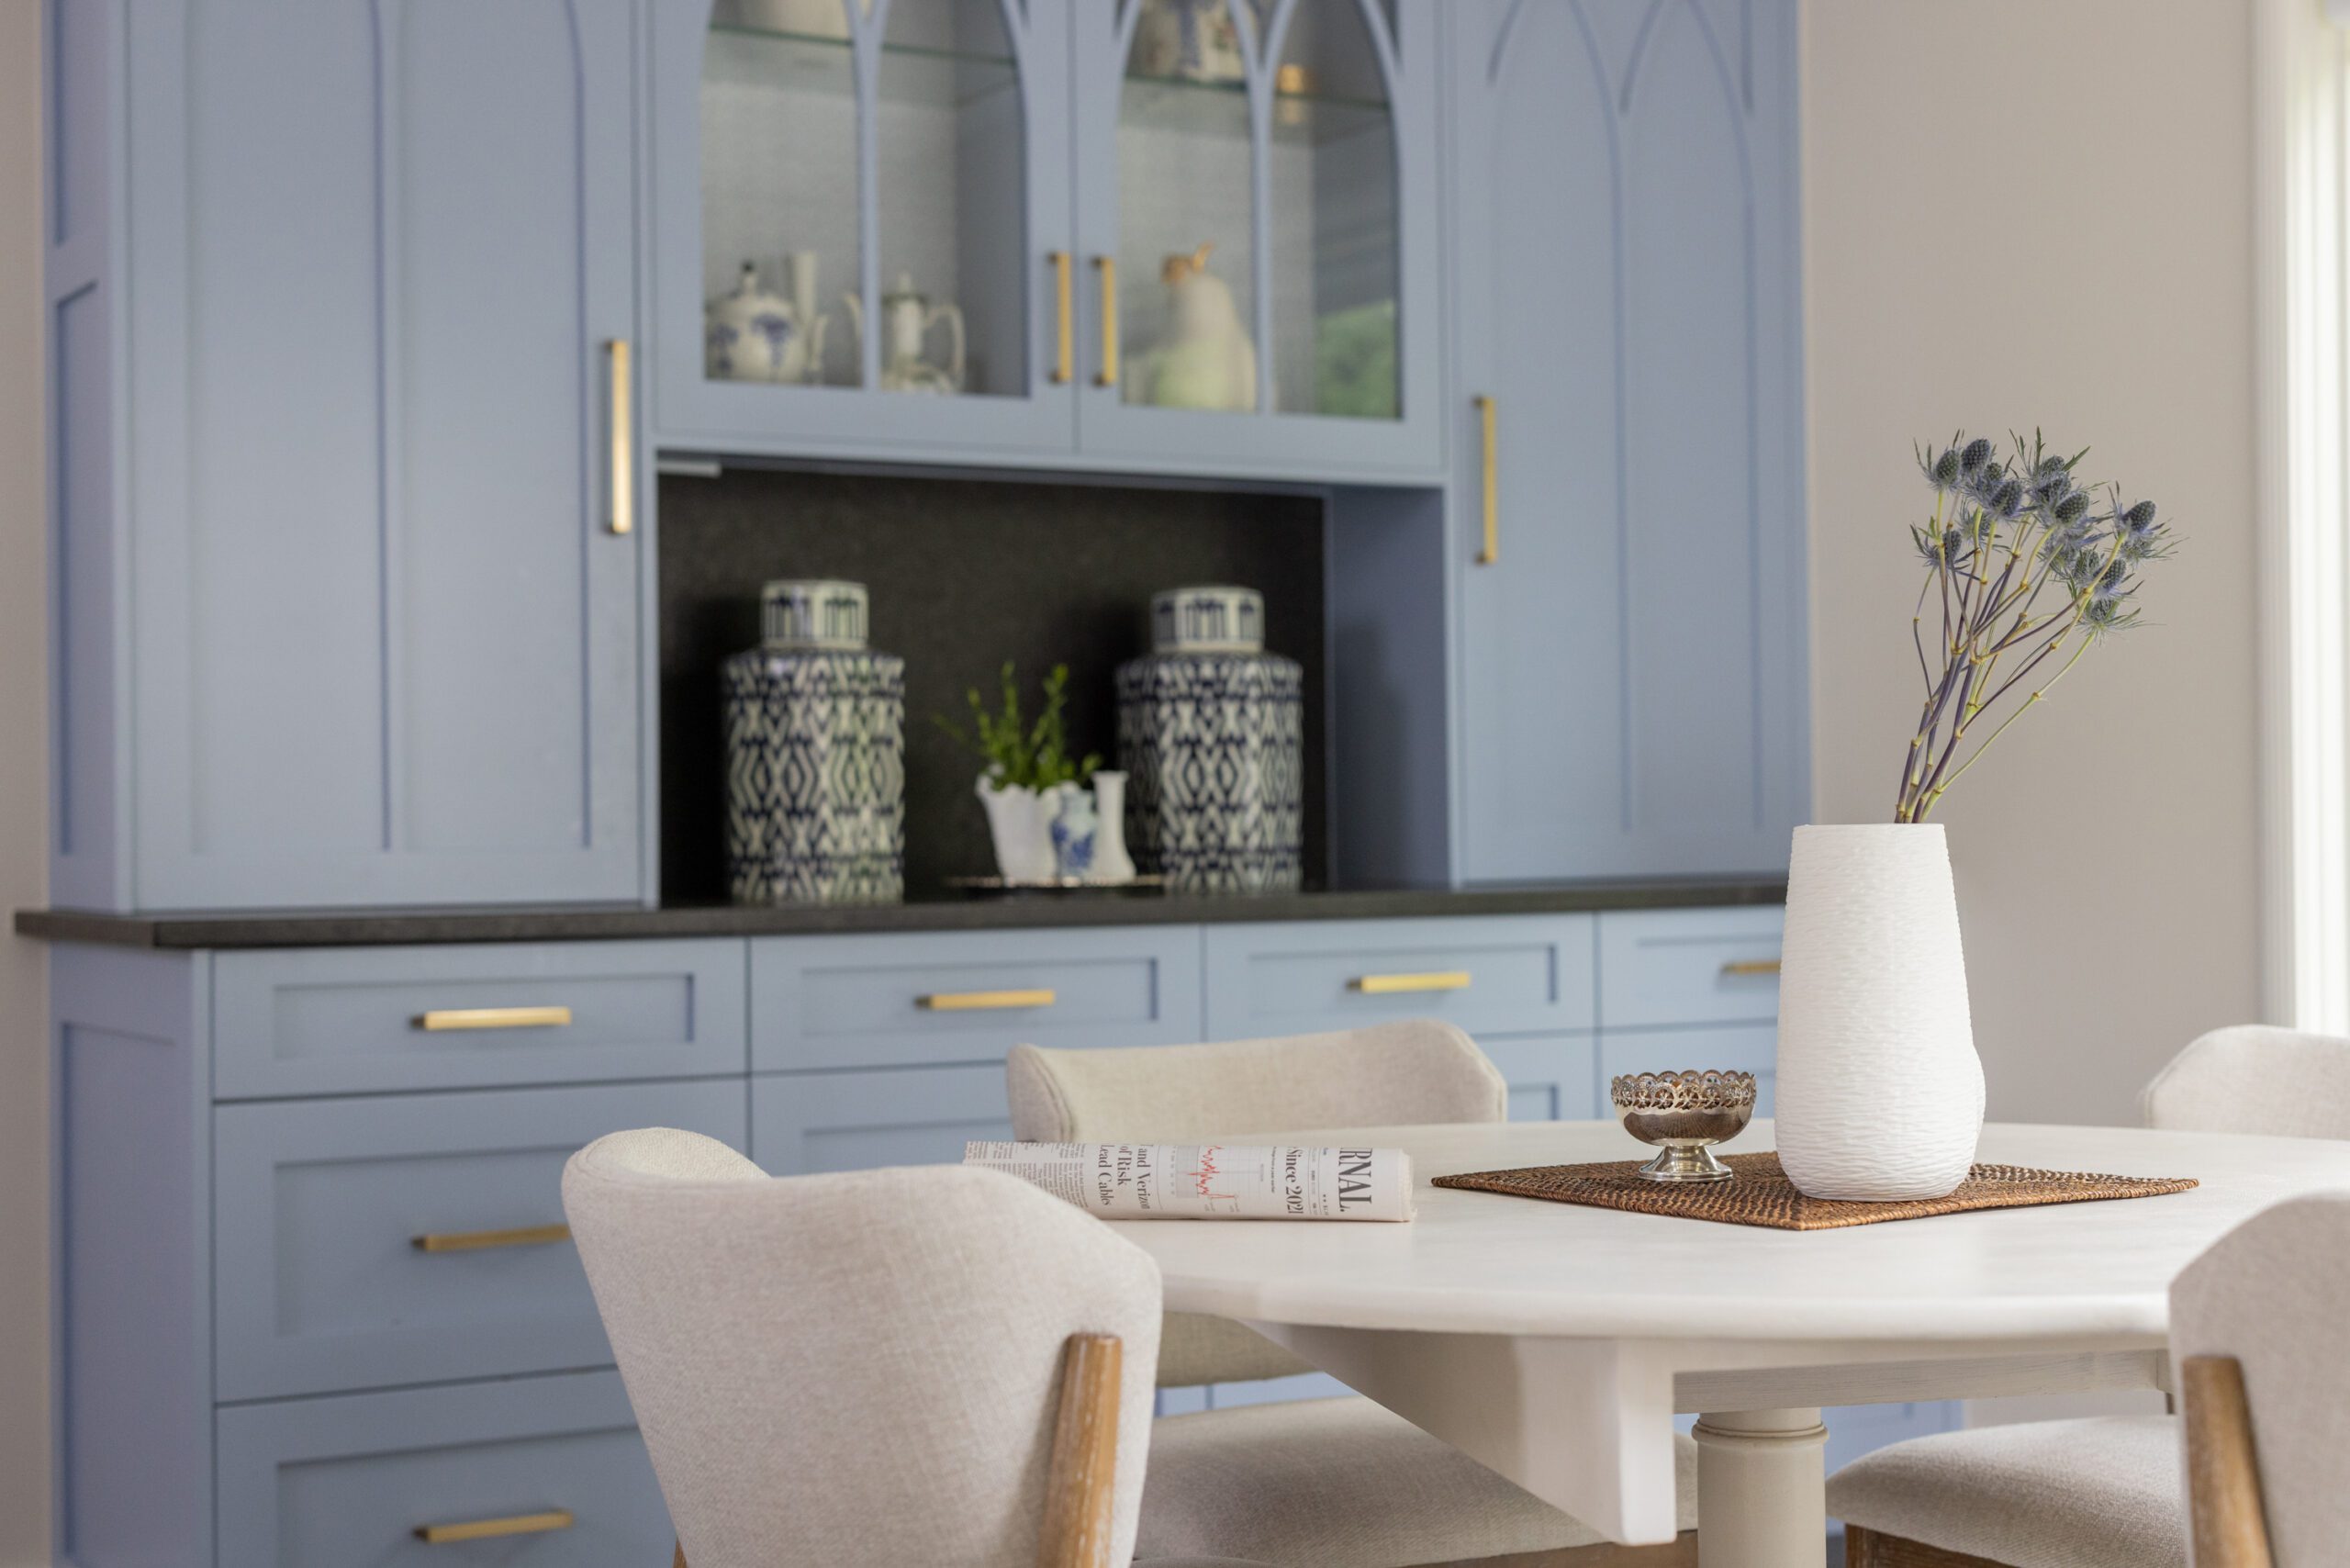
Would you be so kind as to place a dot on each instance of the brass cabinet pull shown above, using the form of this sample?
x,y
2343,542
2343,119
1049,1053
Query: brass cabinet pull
x,y
1064,318
484,1240
1491,551
490,1530
983,1001
1396,985
444,1018
623,474
1108,267
1738,968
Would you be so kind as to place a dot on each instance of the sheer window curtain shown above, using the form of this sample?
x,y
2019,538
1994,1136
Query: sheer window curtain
x,y
2302,236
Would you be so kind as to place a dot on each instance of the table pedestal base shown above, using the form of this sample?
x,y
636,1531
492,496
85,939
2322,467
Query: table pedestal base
x,y
1762,1489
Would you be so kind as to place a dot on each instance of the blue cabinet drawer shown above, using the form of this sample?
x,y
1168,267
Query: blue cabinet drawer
x,y
1747,1047
942,997
349,1020
1501,973
1689,965
803,1123
358,1243
1549,1076
349,1482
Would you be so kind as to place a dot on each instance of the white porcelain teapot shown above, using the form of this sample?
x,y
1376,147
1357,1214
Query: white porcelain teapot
x,y
907,318
752,335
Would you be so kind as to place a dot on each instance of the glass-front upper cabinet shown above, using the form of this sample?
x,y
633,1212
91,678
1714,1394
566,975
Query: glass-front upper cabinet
x,y
1257,216
861,231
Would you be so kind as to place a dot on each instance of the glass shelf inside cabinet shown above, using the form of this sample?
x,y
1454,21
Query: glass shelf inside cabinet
x,y
806,63
1301,116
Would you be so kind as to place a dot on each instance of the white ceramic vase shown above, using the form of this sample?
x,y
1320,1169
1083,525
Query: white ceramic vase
x,y
1880,1093
1020,821
1111,864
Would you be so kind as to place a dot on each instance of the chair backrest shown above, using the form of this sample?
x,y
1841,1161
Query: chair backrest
x,y
1413,1071
2253,1078
2270,1293
1417,1071
858,1369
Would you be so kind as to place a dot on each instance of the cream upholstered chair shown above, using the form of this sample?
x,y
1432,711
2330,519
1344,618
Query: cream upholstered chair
x,y
2100,1492
1340,1483
883,1368
2254,1078
2251,1474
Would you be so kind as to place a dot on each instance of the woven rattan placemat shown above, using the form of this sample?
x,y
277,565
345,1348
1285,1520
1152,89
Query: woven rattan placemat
x,y
1762,1195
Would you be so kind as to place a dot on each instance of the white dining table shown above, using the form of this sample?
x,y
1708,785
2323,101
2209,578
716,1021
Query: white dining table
x,y
1554,1343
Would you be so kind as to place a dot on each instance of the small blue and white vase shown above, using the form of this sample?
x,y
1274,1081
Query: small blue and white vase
x,y
1076,825
815,755
1212,735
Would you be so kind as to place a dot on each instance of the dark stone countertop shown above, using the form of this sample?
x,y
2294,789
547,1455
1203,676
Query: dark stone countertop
x,y
385,927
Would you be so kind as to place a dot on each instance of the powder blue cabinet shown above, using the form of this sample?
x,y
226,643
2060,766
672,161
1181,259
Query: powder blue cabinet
x,y
344,618
1625,300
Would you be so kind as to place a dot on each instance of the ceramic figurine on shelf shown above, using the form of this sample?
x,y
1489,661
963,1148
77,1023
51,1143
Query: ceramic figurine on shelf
x,y
907,318
1211,732
1205,359
1197,40
816,763
801,268
754,335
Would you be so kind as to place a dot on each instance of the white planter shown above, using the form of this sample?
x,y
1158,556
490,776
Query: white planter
x,y
1020,821
1880,1093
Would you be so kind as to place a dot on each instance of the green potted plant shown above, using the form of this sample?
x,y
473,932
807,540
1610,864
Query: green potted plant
x,y
1029,781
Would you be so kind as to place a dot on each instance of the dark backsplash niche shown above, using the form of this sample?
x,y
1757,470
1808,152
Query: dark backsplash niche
x,y
964,574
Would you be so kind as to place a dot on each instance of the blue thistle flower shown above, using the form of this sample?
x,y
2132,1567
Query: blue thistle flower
x,y
1978,453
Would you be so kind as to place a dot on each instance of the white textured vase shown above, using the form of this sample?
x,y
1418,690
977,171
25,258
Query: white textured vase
x,y
1880,1093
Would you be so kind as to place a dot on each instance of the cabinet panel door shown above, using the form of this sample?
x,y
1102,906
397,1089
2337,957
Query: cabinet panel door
x,y
1689,965
1484,973
1551,1076
1296,165
921,144
1626,303
386,643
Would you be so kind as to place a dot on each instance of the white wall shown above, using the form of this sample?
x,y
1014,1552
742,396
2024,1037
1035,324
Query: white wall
x,y
24,816
2017,214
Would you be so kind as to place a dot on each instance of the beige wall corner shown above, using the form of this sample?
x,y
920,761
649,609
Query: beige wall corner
x,y
2020,214
24,810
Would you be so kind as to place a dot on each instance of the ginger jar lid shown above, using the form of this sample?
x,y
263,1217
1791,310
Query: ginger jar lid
x,y
813,612
1217,619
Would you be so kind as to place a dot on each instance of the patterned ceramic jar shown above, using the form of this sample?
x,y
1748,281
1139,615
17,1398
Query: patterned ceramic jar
x,y
815,755
1212,732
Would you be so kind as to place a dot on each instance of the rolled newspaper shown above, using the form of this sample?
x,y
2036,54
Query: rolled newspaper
x,y
1210,1181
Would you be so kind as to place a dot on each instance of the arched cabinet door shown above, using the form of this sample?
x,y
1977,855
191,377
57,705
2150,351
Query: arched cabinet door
x,y
1626,306
382,598
860,232
1258,221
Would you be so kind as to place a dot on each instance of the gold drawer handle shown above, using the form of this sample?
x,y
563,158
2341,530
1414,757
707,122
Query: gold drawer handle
x,y
984,1000
483,1240
1397,985
442,1018
1739,968
1107,269
623,477
490,1530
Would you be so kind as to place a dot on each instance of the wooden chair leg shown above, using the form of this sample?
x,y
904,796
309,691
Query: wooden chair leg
x,y
1080,1489
2223,1470
680,1561
1869,1549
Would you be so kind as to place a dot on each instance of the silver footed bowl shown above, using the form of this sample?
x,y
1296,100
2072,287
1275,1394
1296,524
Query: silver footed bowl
x,y
1683,1115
